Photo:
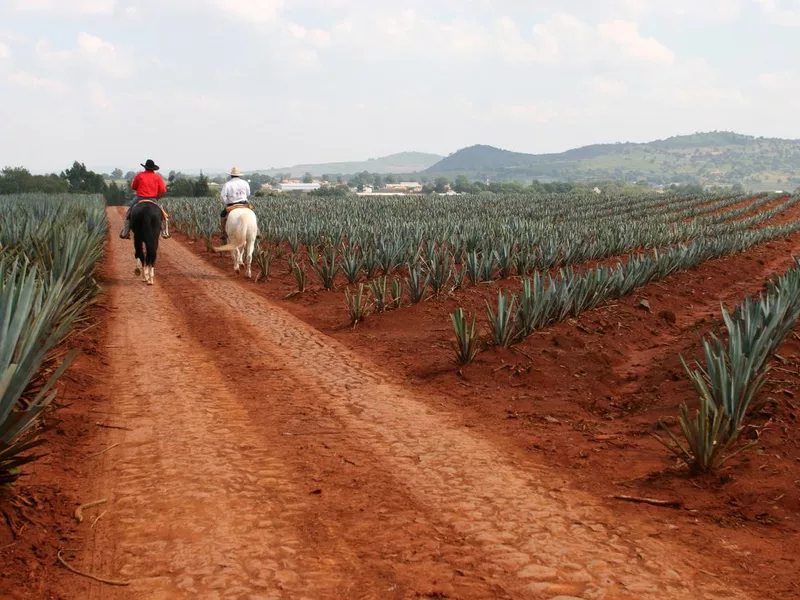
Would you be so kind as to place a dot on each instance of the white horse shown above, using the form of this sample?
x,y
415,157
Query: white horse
x,y
242,230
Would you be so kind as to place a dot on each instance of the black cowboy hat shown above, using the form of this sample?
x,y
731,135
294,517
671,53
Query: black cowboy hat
x,y
150,165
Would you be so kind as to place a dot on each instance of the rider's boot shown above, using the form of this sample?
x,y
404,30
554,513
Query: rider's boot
x,y
224,236
165,231
126,230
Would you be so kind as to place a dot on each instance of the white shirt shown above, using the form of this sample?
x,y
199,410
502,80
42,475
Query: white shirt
x,y
235,189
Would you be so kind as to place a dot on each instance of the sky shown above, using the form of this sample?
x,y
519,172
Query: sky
x,y
270,83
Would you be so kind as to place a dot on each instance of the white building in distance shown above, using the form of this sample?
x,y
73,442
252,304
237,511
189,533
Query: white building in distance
x,y
298,187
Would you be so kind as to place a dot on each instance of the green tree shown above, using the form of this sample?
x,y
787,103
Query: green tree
x,y
440,185
308,178
390,178
116,195
181,187
116,174
18,180
462,185
82,180
377,181
201,186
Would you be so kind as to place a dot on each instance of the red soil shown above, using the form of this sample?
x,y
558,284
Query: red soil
x,y
582,396
586,395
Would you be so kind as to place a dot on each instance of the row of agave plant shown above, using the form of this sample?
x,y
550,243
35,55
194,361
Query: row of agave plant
x,y
732,373
49,246
546,299
567,229
454,258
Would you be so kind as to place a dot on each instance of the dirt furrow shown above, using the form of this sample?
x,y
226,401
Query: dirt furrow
x,y
552,540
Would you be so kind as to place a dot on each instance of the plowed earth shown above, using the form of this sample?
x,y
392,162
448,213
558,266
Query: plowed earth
x,y
251,447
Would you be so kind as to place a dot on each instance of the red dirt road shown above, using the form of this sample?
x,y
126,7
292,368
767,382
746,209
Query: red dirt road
x,y
261,458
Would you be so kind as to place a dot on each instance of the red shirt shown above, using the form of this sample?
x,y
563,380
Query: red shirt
x,y
148,184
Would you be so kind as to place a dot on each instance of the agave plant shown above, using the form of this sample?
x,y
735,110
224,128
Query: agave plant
x,y
504,257
264,258
397,293
299,275
502,322
467,343
356,304
378,287
352,263
417,282
440,269
326,265
734,373
371,262
473,266
47,255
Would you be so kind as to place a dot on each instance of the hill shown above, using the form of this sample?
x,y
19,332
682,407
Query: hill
x,y
709,158
403,162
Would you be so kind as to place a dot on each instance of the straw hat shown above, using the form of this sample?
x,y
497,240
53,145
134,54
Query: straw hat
x,y
235,172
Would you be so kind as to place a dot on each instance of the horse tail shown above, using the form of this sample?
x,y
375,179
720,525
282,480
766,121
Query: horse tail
x,y
151,235
225,248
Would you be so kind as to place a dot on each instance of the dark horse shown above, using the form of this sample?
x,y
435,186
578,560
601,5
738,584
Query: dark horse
x,y
146,228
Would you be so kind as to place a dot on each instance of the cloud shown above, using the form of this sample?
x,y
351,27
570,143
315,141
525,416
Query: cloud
x,y
315,37
523,113
782,13
5,51
560,39
251,11
626,37
90,52
786,82
708,9
24,79
561,73
606,86
52,7
98,96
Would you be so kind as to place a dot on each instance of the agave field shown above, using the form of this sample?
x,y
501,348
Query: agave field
x,y
551,257
401,251
49,246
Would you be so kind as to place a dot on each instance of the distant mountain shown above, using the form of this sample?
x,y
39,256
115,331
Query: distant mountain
x,y
708,158
403,162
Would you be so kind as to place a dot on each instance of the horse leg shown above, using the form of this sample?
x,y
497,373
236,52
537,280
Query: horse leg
x,y
138,253
235,259
151,248
248,257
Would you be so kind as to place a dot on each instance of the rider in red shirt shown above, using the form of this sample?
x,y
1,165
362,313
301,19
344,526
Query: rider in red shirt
x,y
148,185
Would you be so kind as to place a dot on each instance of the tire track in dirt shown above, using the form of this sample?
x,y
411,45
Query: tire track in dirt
x,y
551,540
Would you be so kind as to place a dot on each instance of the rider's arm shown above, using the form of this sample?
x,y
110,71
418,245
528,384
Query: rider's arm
x,y
162,187
135,182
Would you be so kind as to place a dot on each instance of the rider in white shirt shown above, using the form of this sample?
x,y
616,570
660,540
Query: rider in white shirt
x,y
235,191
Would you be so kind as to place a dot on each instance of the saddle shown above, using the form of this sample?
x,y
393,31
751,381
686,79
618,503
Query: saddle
x,y
231,207
163,212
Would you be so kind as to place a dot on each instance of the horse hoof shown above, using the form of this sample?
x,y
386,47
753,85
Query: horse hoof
x,y
149,283
137,271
